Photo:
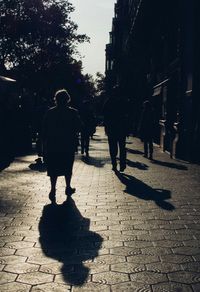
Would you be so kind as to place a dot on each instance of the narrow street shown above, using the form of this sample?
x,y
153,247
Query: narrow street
x,y
132,231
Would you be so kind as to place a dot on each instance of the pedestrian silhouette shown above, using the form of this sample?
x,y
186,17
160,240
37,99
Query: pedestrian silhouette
x,y
88,126
146,129
61,125
65,237
116,122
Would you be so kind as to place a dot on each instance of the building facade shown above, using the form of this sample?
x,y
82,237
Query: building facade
x,y
153,54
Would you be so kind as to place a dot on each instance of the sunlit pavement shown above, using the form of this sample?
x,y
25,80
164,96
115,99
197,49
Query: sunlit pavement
x,y
132,231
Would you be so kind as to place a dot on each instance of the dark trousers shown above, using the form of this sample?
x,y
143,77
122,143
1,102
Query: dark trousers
x,y
116,143
85,140
148,146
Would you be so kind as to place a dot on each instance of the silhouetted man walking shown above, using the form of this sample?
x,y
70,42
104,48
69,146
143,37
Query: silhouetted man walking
x,y
116,125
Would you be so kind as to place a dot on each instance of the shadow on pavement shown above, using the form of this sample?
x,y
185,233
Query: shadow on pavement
x,y
136,187
5,163
137,164
134,151
38,166
65,236
97,162
170,164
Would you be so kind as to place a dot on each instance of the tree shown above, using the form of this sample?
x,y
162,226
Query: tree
x,y
100,92
38,40
100,83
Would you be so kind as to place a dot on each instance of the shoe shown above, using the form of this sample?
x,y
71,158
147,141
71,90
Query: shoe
x,y
150,157
114,167
52,197
69,191
82,151
122,168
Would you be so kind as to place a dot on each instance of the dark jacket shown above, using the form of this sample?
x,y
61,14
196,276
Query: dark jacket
x,y
60,127
116,120
147,124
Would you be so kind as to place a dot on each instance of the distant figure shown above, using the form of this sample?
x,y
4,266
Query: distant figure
x,y
116,127
146,129
61,125
88,126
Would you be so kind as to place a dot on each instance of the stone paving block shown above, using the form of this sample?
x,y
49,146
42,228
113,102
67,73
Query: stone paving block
x,y
130,287
40,260
171,287
156,250
12,259
91,287
35,278
147,237
185,277
192,243
95,268
51,287
121,237
15,287
19,245
143,259
126,251
55,268
29,251
128,268
135,233
111,243
74,279
12,238
148,278
110,278
109,259
168,243
7,277
21,268
6,251
120,227
179,237
193,267
176,259
163,267
187,250
138,244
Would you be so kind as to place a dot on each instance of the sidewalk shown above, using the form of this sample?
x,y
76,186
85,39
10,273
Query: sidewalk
x,y
136,231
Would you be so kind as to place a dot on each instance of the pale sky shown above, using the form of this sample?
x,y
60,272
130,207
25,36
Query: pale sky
x,y
94,18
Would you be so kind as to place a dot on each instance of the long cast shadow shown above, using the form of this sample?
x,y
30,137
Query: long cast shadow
x,y
65,236
133,151
170,164
97,162
136,187
137,164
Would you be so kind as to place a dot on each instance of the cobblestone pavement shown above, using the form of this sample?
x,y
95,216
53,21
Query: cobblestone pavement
x,y
134,231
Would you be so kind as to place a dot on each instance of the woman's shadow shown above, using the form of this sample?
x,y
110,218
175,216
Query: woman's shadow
x,y
65,236
136,187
